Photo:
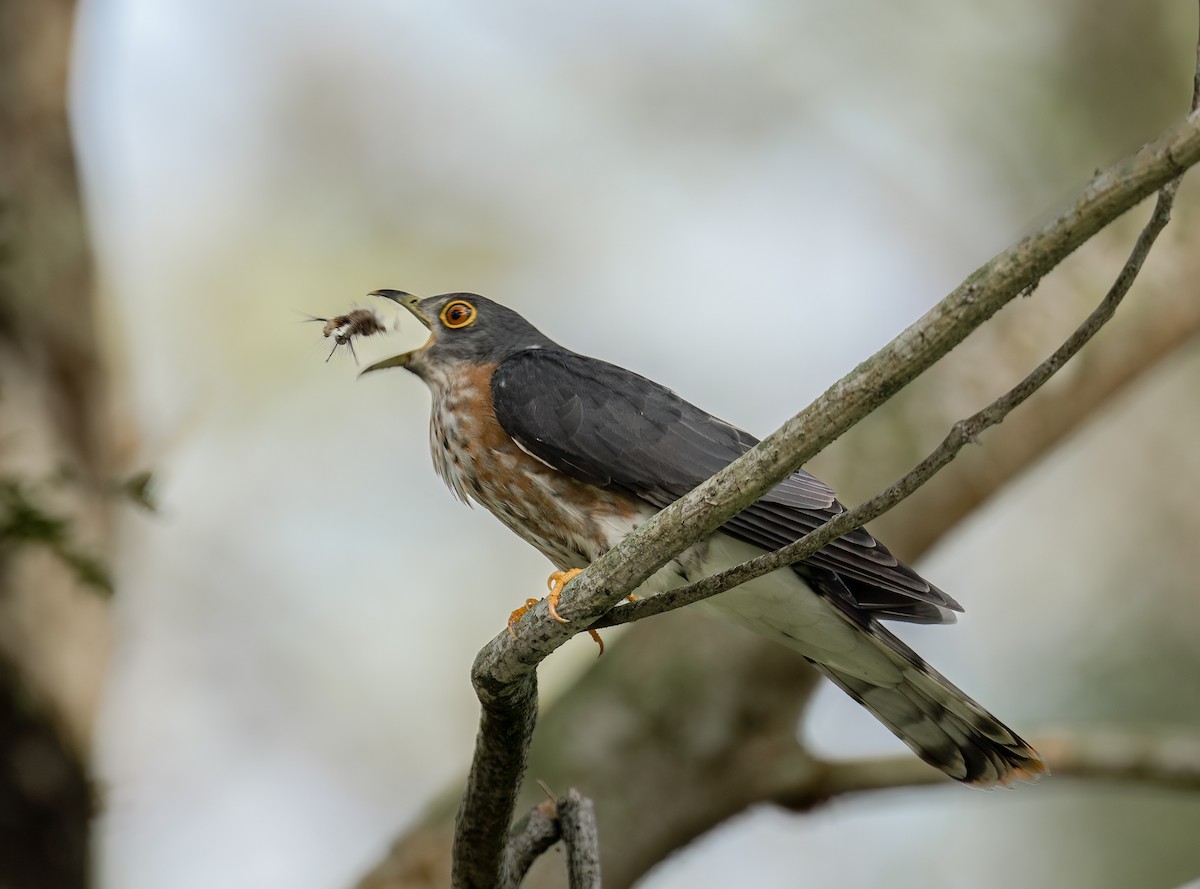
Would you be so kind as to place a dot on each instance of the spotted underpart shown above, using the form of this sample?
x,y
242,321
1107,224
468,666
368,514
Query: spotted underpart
x,y
572,523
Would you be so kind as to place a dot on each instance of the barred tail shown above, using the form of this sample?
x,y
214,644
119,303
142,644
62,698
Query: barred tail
x,y
939,722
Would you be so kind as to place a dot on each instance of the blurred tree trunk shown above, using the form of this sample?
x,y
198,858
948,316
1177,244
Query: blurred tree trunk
x,y
54,512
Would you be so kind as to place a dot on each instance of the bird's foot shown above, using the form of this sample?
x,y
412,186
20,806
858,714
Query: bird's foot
x,y
517,614
556,582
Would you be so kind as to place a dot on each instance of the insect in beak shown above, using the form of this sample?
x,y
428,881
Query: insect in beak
x,y
344,328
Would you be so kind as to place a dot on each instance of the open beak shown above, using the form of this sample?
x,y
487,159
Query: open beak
x,y
413,304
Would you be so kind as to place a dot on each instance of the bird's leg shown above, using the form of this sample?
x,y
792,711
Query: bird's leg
x,y
556,582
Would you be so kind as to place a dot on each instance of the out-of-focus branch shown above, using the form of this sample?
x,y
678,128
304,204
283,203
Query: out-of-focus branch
x,y
1168,761
1133,348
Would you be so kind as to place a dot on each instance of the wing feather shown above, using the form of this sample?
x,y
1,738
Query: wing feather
x,y
611,427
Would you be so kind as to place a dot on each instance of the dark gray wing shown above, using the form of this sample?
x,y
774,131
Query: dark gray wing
x,y
611,427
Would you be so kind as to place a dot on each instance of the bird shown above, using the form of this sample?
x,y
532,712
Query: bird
x,y
572,453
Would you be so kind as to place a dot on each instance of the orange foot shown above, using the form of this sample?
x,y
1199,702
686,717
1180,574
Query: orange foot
x,y
517,614
556,582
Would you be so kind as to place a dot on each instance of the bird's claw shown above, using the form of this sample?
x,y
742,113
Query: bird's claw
x,y
556,582
596,638
517,614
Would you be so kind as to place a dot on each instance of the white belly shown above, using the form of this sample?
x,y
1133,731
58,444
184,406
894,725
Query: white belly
x,y
780,606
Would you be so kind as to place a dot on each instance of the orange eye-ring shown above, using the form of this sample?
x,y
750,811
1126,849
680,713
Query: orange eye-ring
x,y
458,313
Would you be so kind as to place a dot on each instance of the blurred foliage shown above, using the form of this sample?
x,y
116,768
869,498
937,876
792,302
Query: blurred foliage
x,y
24,522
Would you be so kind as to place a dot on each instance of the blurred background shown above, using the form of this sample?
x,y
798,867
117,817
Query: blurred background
x,y
739,199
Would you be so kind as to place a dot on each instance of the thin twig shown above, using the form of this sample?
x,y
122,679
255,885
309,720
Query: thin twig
x,y
962,433
540,831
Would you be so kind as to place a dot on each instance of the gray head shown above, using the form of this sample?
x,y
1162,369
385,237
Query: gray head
x,y
464,328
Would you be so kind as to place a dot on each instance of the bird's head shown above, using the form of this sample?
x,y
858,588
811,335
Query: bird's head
x,y
464,328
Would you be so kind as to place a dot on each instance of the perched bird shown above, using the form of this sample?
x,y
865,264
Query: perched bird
x,y
572,453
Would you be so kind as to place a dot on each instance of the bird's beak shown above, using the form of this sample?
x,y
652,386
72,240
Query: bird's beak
x,y
413,304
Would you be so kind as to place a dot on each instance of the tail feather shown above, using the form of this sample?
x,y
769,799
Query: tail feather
x,y
812,611
941,724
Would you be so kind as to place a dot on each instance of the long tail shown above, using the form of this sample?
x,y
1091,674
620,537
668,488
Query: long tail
x,y
941,724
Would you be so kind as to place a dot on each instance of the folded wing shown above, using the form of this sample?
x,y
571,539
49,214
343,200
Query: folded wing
x,y
611,427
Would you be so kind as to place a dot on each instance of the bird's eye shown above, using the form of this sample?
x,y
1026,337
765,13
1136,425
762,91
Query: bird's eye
x,y
458,313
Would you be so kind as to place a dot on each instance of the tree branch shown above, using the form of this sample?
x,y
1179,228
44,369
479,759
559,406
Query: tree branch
x,y
540,831
501,751
577,818
964,432
656,730
571,819
1134,345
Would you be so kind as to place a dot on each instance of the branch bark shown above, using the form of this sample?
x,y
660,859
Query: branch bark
x,y
501,750
577,818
